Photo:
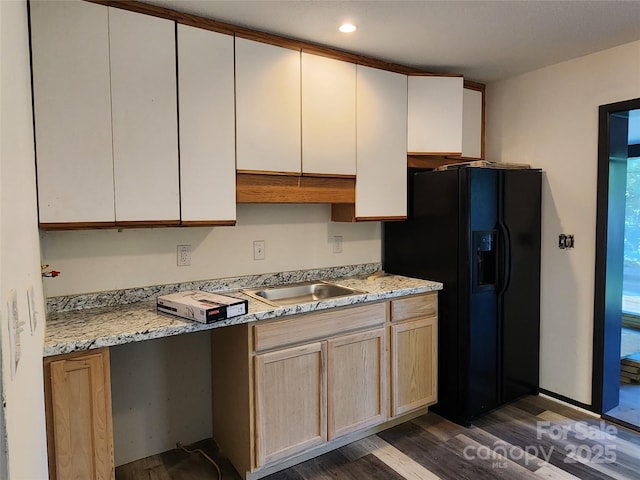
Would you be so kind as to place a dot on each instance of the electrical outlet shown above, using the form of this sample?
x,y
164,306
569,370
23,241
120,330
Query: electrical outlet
x,y
184,255
337,244
259,250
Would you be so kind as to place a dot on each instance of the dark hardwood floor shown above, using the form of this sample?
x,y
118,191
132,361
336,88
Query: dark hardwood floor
x,y
532,438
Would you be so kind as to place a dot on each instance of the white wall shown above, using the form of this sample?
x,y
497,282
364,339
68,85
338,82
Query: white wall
x,y
20,253
297,237
549,118
161,394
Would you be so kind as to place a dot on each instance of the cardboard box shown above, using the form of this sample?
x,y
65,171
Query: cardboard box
x,y
203,307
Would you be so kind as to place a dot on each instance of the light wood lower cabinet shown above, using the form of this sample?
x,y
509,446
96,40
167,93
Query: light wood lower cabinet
x,y
293,388
413,362
414,353
311,393
283,388
78,412
357,381
291,401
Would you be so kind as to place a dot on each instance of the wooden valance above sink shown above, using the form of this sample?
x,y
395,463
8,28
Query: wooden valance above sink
x,y
257,188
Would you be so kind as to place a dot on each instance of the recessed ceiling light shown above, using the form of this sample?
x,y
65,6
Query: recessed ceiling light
x,y
347,28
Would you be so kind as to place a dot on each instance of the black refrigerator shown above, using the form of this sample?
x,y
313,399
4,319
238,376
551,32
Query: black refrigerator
x,y
476,230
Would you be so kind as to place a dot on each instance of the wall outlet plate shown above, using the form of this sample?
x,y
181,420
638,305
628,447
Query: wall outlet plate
x,y
184,255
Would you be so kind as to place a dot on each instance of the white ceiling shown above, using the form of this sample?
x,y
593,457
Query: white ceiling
x,y
483,40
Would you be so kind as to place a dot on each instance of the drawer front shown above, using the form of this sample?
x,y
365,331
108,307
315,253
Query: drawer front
x,y
414,307
315,326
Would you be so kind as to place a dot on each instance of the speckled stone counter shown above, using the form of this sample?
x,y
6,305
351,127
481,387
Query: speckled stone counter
x,y
84,329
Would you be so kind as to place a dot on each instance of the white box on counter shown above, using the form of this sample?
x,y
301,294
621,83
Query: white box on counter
x,y
203,307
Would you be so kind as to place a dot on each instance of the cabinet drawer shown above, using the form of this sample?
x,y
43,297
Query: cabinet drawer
x,y
413,307
317,325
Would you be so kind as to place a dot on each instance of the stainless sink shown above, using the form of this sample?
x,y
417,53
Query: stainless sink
x,y
300,293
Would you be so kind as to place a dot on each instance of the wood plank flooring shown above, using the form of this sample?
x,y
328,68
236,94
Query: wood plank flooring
x,y
533,438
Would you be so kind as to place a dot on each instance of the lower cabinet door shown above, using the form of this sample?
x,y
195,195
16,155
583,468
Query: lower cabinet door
x,y
290,401
357,382
413,364
79,431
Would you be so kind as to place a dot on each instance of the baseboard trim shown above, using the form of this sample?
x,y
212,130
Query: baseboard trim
x,y
570,402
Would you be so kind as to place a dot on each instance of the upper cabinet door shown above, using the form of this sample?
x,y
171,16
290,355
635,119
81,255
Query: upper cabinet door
x,y
145,117
328,116
70,44
381,181
267,108
207,126
435,115
472,123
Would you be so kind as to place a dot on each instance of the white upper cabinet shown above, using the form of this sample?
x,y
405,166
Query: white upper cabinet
x,y
267,108
381,181
72,101
207,127
145,117
472,123
435,115
328,116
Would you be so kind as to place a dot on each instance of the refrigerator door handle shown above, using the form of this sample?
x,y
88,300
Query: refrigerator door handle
x,y
505,263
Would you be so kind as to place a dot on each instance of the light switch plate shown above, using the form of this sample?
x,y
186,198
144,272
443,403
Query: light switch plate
x,y
337,244
259,250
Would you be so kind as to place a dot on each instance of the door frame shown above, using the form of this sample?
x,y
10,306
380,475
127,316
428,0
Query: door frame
x,y
608,261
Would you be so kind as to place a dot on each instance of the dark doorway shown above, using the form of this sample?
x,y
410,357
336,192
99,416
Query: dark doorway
x,y
613,152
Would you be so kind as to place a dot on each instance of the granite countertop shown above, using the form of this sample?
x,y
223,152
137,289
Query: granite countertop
x,y
105,326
